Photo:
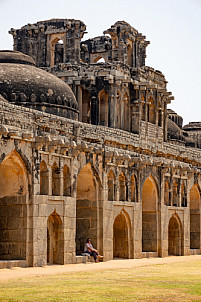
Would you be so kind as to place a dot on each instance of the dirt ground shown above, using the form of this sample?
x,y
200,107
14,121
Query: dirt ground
x,y
17,272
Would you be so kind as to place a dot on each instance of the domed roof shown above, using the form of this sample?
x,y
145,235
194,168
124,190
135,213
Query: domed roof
x,y
24,84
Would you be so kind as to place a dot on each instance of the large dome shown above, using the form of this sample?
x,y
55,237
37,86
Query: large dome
x,y
24,84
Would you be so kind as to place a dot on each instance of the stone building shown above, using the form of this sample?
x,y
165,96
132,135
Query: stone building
x,y
88,148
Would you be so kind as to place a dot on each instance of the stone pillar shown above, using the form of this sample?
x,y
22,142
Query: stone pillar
x,y
79,100
50,179
111,109
94,110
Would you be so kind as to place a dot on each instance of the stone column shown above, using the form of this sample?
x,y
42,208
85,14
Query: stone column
x,y
79,99
94,110
111,108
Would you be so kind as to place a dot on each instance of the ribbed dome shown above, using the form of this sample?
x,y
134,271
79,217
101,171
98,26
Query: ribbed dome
x,y
24,84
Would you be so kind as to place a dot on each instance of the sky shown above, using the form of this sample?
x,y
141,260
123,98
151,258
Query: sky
x,y
172,26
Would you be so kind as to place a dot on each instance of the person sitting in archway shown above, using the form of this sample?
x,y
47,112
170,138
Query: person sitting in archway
x,y
89,249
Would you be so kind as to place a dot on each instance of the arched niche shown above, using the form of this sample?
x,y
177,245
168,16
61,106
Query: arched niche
x,y
44,179
13,208
175,194
86,106
152,111
86,208
167,200
195,217
149,215
103,107
133,189
120,237
55,180
111,186
183,195
175,237
66,181
123,187
55,239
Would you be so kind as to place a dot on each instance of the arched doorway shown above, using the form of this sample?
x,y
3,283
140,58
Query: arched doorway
x,y
13,208
174,237
149,216
87,209
120,237
194,218
55,240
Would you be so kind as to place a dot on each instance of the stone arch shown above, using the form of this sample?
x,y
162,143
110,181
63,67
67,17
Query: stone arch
x,y
152,110
175,194
103,107
66,181
44,178
149,215
167,200
183,195
14,206
175,236
55,180
87,208
133,189
55,239
122,239
86,106
99,59
111,181
123,187
195,217
56,49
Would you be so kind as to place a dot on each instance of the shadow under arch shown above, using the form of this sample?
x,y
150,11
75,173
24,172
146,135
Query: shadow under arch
x,y
55,239
175,236
88,209
14,208
149,215
195,217
122,238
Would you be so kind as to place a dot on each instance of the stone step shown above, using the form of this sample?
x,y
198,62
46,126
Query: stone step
x,y
12,263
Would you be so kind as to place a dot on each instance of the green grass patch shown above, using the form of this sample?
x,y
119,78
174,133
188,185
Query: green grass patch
x,y
167,282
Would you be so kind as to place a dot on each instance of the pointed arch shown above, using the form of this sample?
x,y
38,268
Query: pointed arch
x,y
88,220
55,239
149,215
111,179
66,181
195,217
13,204
175,194
122,239
152,110
103,107
44,178
133,189
183,195
167,200
123,187
175,236
55,180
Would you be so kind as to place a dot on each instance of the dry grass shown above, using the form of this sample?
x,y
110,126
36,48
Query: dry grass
x,y
167,282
